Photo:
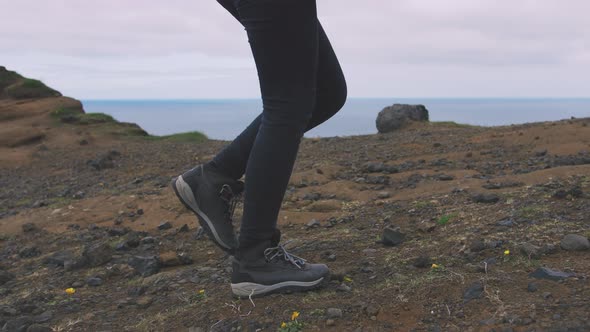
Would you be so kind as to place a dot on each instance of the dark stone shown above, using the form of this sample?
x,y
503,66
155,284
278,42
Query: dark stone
x,y
145,265
104,161
29,227
59,258
45,317
474,291
530,250
136,291
477,245
39,328
97,254
485,198
399,115
422,262
5,277
372,310
164,226
121,246
118,231
540,153
94,282
487,264
546,273
383,195
39,204
79,195
574,242
183,229
19,324
391,169
374,167
445,177
312,196
28,252
133,240
392,237
381,179
334,313
560,194
147,240
506,223
532,287
313,223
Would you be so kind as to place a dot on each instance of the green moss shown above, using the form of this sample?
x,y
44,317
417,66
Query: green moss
x,y
531,212
192,136
443,220
420,205
89,118
32,84
30,88
75,116
8,78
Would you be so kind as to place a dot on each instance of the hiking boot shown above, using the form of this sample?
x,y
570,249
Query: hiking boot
x,y
269,268
212,196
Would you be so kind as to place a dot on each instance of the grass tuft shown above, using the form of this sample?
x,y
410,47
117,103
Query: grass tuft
x,y
191,136
451,124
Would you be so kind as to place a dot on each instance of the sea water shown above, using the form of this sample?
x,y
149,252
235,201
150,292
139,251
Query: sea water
x,y
226,118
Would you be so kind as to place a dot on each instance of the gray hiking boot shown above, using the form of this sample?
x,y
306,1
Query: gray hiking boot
x,y
212,196
269,268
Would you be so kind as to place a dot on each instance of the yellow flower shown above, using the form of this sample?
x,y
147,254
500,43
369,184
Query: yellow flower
x,y
202,291
283,325
347,279
295,315
507,252
435,266
70,291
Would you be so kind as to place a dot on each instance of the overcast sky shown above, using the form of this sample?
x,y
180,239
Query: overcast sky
x,y
93,49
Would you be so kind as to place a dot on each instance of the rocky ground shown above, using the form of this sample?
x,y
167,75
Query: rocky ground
x,y
438,227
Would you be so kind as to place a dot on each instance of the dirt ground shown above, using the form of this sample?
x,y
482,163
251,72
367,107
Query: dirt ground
x,y
481,209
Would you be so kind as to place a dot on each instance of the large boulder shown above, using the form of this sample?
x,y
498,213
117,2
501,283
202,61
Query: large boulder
x,y
398,116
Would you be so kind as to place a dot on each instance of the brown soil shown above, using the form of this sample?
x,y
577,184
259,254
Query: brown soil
x,y
545,169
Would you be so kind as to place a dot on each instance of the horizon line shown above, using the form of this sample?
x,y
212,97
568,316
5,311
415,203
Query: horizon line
x,y
375,98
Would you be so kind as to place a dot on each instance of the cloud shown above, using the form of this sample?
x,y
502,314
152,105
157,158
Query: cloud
x,y
193,48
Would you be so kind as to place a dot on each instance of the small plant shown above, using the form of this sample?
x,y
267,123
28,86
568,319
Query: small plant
x,y
200,296
192,136
419,205
446,218
75,116
293,326
506,255
437,268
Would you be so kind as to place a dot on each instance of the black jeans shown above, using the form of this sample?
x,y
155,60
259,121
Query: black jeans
x,y
302,85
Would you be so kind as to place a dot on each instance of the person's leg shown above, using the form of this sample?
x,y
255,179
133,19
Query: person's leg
x,y
283,36
284,40
331,92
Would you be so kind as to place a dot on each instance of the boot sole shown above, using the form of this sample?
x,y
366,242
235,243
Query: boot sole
x,y
187,198
249,289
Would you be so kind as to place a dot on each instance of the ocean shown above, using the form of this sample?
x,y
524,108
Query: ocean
x,y
226,118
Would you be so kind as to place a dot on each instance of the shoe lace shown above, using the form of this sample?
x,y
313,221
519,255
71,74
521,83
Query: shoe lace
x,y
280,252
231,200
